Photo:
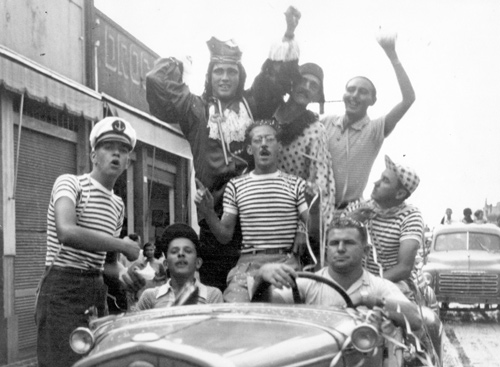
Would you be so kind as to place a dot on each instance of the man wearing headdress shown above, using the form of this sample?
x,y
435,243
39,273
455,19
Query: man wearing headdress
x,y
215,123
304,150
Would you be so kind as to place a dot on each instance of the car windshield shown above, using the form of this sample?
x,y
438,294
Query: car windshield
x,y
467,240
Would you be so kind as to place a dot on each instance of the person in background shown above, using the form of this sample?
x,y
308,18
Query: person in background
x,y
467,216
180,245
447,217
160,274
479,217
84,221
270,205
354,140
214,124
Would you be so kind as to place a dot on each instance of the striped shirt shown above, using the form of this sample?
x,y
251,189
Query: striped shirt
x,y
97,208
388,231
268,206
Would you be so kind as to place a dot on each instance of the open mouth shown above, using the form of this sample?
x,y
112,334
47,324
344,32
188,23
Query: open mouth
x,y
265,153
115,162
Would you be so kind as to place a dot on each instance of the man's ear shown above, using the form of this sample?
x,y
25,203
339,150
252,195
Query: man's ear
x,y
165,264
249,150
401,194
93,156
199,262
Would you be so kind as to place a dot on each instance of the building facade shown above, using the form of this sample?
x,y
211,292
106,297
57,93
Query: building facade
x,y
63,66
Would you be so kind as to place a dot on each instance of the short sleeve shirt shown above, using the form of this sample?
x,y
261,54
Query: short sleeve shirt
x,y
315,293
353,151
268,206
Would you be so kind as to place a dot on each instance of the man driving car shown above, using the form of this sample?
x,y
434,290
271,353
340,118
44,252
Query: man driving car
x,y
346,247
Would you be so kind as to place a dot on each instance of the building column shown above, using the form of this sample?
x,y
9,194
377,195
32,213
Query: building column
x,y
141,196
8,319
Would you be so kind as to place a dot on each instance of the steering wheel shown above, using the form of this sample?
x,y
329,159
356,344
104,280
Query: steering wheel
x,y
320,279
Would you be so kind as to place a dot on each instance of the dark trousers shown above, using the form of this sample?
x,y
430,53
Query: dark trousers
x,y
64,298
218,259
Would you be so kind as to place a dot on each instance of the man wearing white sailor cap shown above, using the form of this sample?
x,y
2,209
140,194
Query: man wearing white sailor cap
x,y
84,221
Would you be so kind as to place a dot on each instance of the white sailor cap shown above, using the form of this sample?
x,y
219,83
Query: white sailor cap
x,y
113,129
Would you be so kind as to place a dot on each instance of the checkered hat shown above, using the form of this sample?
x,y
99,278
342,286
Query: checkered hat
x,y
406,175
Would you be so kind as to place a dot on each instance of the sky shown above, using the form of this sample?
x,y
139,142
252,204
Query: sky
x,y
449,48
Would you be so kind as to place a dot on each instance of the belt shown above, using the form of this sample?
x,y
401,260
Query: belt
x,y
266,251
82,272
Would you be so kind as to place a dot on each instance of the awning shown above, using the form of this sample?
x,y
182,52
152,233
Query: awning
x,y
21,75
150,130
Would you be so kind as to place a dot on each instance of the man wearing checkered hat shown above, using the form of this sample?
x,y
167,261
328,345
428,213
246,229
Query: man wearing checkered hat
x,y
396,228
84,221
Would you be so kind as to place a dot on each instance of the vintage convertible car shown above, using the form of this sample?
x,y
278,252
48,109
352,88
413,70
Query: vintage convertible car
x,y
251,334
463,265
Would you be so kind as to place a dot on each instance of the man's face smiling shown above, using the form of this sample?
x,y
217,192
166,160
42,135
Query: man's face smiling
x,y
111,158
307,90
358,96
225,81
345,251
182,259
264,148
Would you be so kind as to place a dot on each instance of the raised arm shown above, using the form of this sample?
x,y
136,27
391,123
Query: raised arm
x,y
388,44
278,71
169,98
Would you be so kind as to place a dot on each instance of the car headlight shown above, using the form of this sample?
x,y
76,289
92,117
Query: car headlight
x,y
364,338
81,340
428,278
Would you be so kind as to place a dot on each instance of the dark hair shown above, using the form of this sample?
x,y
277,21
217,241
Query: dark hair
x,y
289,132
347,222
478,213
270,122
177,230
467,212
147,244
208,92
374,90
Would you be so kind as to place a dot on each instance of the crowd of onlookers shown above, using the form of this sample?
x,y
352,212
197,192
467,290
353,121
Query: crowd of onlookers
x,y
467,217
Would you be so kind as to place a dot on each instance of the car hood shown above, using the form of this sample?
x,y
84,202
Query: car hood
x,y
243,334
463,260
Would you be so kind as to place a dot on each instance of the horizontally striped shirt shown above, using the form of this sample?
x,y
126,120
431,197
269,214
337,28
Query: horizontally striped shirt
x,y
268,206
97,208
388,231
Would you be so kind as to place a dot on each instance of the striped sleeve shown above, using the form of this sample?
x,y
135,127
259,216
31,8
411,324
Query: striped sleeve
x,y
229,200
413,227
